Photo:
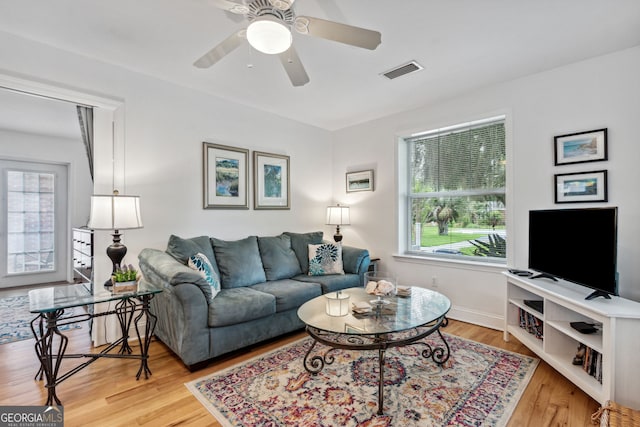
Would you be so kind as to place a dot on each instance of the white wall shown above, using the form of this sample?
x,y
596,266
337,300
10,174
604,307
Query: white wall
x,y
71,152
164,126
601,92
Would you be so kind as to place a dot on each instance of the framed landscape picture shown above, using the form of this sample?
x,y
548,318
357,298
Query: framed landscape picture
x,y
581,187
270,181
581,147
226,177
360,181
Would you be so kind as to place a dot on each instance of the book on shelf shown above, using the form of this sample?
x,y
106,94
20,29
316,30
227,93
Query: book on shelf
x,y
530,323
591,361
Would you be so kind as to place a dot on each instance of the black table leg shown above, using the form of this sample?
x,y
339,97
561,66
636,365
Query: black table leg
x,y
150,326
45,343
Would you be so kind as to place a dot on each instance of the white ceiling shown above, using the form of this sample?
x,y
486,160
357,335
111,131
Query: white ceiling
x,y
463,45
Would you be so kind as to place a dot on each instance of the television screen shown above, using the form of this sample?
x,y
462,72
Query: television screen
x,y
577,245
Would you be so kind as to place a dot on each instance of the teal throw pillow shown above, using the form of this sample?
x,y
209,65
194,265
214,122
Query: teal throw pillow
x,y
202,265
325,258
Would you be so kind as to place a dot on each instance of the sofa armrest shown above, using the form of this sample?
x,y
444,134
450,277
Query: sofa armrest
x,y
355,260
163,270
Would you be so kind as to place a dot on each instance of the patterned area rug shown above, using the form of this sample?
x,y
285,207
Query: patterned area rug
x,y
479,385
15,319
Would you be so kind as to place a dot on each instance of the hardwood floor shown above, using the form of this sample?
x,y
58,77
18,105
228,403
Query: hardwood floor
x,y
106,393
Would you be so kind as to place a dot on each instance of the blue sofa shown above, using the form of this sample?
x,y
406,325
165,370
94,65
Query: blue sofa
x,y
264,280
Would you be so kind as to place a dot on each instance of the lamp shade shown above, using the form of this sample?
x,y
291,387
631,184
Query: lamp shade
x,y
338,215
269,35
115,212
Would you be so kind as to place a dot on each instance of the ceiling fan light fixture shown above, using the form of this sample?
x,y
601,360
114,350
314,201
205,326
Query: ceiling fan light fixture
x,y
269,35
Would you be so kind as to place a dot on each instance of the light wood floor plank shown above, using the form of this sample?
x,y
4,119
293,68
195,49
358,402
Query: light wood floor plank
x,y
107,394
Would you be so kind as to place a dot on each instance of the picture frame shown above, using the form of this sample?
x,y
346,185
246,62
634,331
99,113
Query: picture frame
x,y
581,187
271,181
359,181
226,177
581,147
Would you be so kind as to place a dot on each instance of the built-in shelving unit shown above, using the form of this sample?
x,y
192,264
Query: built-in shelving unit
x,y
617,338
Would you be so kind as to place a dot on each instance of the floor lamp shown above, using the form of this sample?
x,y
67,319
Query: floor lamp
x,y
115,212
338,215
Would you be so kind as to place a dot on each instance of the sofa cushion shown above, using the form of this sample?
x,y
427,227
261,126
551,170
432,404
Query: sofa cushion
x,y
181,249
325,258
202,265
332,282
300,244
278,259
239,305
239,262
289,293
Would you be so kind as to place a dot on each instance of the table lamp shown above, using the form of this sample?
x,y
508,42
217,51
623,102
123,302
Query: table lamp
x,y
115,212
338,215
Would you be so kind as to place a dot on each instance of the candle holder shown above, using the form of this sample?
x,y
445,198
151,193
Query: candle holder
x,y
337,304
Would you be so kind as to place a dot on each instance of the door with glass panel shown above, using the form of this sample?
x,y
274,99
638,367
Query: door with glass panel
x,y
33,238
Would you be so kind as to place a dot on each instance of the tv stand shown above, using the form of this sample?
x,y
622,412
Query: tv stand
x,y
564,303
596,294
544,276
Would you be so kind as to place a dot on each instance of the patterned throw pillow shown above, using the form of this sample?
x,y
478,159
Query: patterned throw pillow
x,y
201,263
325,258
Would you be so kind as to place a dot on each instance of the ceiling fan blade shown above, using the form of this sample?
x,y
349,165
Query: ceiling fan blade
x,y
347,34
230,6
294,68
221,50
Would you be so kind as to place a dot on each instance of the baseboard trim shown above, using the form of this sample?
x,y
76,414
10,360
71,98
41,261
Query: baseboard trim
x,y
488,320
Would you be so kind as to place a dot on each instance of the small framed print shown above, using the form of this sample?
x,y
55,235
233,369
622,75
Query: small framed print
x,y
271,185
226,176
581,147
360,181
581,187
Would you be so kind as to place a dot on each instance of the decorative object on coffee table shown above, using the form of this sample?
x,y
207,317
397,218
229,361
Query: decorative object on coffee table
x,y
380,284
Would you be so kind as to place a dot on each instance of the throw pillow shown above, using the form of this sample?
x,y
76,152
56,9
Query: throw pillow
x,y
201,264
278,258
239,262
325,258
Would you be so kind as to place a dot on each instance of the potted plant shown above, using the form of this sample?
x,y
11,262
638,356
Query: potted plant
x,y
125,279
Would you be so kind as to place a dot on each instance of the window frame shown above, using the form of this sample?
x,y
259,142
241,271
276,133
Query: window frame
x,y
405,197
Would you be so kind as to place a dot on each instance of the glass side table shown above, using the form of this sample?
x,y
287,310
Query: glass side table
x,y
50,304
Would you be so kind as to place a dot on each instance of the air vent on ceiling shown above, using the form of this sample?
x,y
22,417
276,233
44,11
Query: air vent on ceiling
x,y
410,67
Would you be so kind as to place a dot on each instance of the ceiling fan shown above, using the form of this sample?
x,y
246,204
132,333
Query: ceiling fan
x,y
269,31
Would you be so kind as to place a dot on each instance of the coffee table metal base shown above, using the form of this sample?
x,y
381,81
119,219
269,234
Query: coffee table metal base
x,y
381,342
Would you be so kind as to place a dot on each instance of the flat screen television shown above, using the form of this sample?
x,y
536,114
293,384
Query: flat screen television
x,y
577,245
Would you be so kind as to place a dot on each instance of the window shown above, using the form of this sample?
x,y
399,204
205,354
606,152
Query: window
x,y
455,191
30,225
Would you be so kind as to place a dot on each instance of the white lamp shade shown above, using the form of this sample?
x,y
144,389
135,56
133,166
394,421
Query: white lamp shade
x,y
269,35
115,212
338,215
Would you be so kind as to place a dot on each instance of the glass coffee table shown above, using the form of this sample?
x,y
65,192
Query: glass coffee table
x,y
405,320
50,305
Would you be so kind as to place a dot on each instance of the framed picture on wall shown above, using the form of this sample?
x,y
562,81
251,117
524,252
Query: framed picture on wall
x,y
581,147
360,181
271,185
226,177
581,187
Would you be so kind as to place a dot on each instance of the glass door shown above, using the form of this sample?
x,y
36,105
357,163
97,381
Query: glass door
x,y
34,223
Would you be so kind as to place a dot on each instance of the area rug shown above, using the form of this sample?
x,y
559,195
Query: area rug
x,y
15,319
479,386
